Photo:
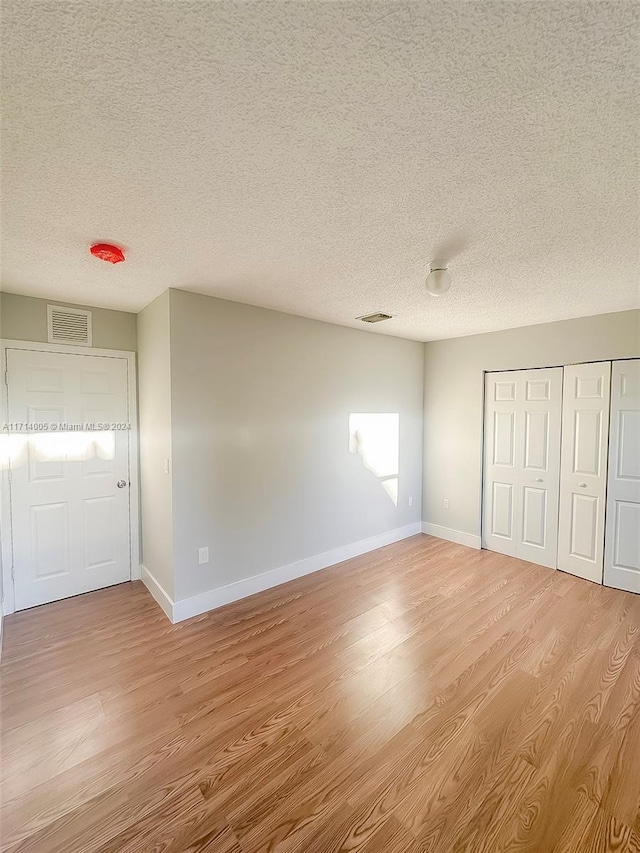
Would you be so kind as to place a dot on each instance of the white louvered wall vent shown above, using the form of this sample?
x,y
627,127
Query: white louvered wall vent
x,y
68,326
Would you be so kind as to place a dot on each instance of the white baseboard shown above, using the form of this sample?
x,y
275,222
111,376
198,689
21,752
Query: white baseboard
x,y
177,611
452,535
157,591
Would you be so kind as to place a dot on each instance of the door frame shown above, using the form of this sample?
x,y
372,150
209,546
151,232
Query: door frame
x,y
6,530
484,436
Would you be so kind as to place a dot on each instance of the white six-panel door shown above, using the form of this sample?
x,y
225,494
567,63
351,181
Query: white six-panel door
x,y
69,487
583,473
622,537
522,463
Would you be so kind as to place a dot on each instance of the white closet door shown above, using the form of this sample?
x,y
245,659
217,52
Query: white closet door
x,y
500,463
583,475
622,537
69,487
522,463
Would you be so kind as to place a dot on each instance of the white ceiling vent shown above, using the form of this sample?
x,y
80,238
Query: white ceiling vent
x,y
68,326
374,318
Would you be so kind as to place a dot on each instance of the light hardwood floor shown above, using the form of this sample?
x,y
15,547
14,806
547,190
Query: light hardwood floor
x,y
423,697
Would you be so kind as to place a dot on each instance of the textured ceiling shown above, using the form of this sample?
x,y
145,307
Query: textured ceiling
x,y
309,156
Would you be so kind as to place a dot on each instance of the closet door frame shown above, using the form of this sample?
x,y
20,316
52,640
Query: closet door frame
x,y
611,361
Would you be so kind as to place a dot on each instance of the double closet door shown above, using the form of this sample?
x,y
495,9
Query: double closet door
x,y
562,469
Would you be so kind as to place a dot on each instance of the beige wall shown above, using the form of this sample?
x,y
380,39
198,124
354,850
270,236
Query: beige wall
x,y
262,472
453,398
24,318
154,413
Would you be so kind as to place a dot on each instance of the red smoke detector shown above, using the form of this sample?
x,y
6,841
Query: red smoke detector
x,y
107,252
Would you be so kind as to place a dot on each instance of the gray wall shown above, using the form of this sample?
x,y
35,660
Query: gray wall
x,y
154,413
24,318
262,472
453,398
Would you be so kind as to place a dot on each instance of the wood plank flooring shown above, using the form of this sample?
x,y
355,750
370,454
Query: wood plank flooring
x,y
423,697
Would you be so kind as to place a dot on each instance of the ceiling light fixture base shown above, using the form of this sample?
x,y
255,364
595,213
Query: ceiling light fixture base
x,y
439,279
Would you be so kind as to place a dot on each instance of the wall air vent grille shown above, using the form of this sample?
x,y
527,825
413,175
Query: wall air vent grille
x,y
374,318
68,326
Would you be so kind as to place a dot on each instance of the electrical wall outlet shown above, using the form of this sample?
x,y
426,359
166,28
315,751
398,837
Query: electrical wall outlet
x,y
203,555
410,501
445,503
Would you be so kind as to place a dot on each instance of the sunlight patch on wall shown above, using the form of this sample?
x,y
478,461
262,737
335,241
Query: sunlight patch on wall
x,y
375,437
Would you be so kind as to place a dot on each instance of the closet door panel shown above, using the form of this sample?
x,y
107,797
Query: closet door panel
x,y
583,476
622,537
500,471
522,463
540,465
534,517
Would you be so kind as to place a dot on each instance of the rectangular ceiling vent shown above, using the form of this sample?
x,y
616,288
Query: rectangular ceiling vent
x,y
374,318
68,326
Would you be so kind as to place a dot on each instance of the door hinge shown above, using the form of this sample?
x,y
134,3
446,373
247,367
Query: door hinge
x,y
6,378
9,475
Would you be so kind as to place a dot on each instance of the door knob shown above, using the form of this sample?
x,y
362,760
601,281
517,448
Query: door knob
x,y
121,484
582,485
538,479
